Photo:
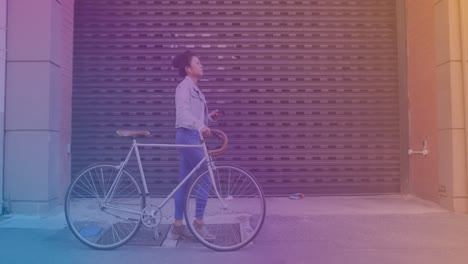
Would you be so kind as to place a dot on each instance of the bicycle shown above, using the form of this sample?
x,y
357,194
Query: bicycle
x,y
105,207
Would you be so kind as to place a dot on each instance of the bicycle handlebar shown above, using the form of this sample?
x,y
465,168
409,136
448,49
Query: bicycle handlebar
x,y
222,135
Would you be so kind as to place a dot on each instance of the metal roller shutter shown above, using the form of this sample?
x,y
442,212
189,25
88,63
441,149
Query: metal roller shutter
x,y
309,88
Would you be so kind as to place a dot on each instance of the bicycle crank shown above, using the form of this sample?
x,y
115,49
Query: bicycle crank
x,y
151,216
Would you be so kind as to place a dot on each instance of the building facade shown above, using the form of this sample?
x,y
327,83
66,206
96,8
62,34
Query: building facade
x,y
323,98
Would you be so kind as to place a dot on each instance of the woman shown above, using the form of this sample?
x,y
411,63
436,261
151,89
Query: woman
x,y
191,119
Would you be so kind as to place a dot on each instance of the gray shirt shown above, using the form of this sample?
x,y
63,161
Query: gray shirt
x,y
191,108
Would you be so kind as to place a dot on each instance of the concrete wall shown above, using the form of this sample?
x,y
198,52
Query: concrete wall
x,y
3,20
464,64
37,103
66,95
452,94
422,99
437,81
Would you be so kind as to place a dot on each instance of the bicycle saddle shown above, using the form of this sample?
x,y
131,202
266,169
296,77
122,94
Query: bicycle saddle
x,y
132,133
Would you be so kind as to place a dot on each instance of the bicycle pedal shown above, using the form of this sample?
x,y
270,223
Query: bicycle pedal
x,y
156,234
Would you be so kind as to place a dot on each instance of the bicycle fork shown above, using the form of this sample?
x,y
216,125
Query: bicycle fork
x,y
211,166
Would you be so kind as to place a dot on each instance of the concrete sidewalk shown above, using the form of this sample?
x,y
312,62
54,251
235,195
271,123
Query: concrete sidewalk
x,y
358,229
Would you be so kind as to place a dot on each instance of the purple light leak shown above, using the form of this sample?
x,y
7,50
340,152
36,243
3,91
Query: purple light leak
x,y
313,229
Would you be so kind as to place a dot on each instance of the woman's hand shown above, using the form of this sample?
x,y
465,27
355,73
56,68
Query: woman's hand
x,y
215,115
205,131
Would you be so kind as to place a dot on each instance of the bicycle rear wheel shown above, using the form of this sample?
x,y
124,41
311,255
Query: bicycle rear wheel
x,y
98,225
235,225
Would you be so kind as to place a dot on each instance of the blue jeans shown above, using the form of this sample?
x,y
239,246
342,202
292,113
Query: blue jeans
x,y
189,158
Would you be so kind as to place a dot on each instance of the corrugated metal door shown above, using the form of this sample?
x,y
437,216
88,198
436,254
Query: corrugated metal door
x,y
309,87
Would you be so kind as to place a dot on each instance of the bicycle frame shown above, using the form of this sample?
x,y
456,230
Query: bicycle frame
x,y
207,159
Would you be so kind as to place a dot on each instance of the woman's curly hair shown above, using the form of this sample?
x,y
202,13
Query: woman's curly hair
x,y
183,60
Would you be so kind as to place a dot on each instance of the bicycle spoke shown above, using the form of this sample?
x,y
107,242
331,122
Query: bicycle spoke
x,y
94,187
103,186
229,183
235,184
85,190
93,191
249,183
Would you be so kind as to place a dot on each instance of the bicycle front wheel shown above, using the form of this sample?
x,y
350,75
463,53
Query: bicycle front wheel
x,y
234,217
100,224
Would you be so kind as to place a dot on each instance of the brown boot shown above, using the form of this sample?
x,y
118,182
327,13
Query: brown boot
x,y
203,232
180,232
